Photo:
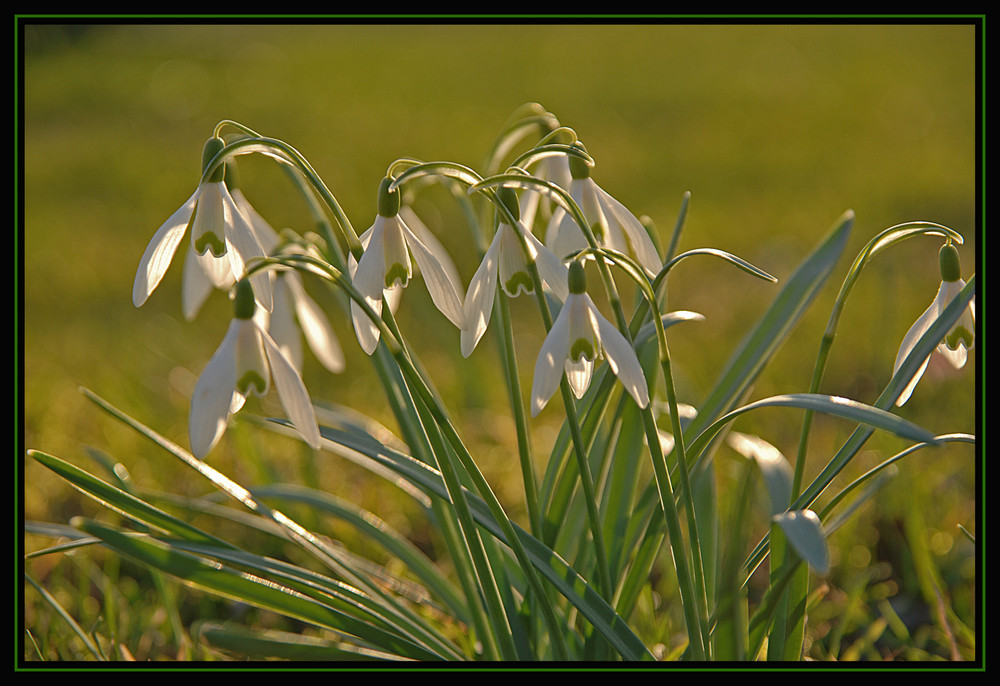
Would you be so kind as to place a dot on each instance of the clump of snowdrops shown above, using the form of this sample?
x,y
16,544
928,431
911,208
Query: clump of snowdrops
x,y
564,583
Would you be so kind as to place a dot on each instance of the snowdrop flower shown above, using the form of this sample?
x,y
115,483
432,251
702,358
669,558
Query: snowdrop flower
x,y
244,363
385,264
614,226
292,304
959,339
579,336
221,236
505,259
202,273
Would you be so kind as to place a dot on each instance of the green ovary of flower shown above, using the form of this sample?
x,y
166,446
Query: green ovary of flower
x,y
582,348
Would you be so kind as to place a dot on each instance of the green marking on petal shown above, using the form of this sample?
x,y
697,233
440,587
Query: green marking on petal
x,y
251,379
396,273
582,348
959,336
519,280
209,241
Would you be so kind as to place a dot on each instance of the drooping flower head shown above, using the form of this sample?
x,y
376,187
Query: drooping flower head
x,y
959,339
245,362
385,264
222,242
580,336
507,260
614,226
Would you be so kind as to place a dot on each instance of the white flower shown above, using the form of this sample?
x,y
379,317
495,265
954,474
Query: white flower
x,y
614,226
579,336
385,264
506,259
244,363
959,339
291,304
219,229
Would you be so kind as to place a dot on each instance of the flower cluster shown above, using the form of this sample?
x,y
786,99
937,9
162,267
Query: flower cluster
x,y
228,237
229,242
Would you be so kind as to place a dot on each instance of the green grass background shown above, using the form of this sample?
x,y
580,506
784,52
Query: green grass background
x,y
774,129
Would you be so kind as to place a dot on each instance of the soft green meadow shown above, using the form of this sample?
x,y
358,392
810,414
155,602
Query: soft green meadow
x,y
786,149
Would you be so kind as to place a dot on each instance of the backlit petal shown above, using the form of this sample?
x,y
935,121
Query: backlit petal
x,y
552,270
246,247
202,273
918,329
550,365
214,395
281,326
641,244
160,251
622,359
369,278
292,392
478,307
443,291
315,326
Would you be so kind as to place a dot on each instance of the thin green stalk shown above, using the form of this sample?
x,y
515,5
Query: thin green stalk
x,y
487,580
507,351
484,490
689,598
589,496
691,605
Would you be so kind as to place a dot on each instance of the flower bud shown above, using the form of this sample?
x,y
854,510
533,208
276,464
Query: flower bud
x,y
212,147
950,263
388,201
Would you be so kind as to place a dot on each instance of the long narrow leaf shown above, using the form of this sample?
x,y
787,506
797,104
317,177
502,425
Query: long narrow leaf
x,y
247,588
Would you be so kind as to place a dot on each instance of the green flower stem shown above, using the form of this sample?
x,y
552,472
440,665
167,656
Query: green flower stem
x,y
526,119
663,476
484,490
690,600
589,495
459,174
579,446
885,239
507,351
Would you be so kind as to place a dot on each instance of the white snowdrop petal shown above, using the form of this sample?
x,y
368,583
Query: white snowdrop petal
x,y
638,238
160,251
369,277
443,291
292,393
316,327
214,395
622,359
550,365
478,306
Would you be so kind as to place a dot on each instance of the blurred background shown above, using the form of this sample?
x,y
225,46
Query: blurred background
x,y
775,130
